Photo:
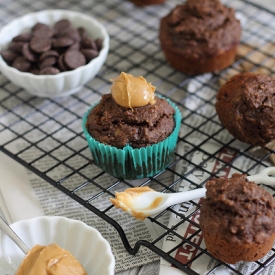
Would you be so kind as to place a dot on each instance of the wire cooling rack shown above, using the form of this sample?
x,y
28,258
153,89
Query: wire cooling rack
x,y
134,48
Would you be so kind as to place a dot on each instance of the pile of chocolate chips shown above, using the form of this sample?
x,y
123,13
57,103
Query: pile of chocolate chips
x,y
51,50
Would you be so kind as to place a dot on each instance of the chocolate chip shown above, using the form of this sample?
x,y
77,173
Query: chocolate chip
x,y
28,54
98,44
24,37
48,53
48,61
40,45
21,64
49,70
62,25
43,33
61,64
88,43
63,42
72,33
89,54
35,70
75,46
17,46
74,59
9,55
40,26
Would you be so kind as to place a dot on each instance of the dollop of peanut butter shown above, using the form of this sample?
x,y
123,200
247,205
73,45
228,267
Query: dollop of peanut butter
x,y
50,260
129,91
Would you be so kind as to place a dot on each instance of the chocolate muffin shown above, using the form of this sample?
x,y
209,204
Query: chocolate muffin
x,y
200,36
118,126
246,107
146,2
237,219
131,132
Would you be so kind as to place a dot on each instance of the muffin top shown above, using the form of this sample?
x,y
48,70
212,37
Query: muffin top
x,y
200,27
246,107
116,122
238,209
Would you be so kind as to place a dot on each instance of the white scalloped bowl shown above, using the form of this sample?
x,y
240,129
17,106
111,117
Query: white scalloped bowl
x,y
64,83
83,241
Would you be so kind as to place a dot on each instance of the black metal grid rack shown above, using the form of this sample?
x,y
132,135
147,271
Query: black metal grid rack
x,y
134,48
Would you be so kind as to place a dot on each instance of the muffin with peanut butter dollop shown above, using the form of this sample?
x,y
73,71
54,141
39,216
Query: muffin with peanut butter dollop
x,y
131,132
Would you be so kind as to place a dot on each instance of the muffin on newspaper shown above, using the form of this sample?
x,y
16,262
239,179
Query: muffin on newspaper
x,y
237,219
131,132
200,36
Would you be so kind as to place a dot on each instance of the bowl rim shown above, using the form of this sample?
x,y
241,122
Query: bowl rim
x,y
105,44
52,219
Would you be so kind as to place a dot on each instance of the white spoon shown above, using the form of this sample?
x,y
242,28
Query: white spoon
x,y
7,229
142,202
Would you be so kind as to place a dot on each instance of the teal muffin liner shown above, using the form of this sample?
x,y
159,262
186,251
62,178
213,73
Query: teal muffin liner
x,y
134,163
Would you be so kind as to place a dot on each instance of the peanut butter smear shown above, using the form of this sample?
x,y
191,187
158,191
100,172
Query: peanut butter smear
x,y
129,91
126,201
50,260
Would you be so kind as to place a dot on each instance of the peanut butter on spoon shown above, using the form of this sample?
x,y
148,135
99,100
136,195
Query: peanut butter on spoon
x,y
129,91
142,202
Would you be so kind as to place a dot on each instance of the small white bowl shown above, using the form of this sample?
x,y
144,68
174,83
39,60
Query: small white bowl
x,y
83,241
64,83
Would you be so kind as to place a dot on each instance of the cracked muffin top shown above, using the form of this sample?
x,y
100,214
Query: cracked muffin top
x,y
201,27
246,107
238,209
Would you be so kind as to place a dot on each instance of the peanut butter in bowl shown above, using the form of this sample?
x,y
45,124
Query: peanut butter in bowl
x,y
50,260
59,245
